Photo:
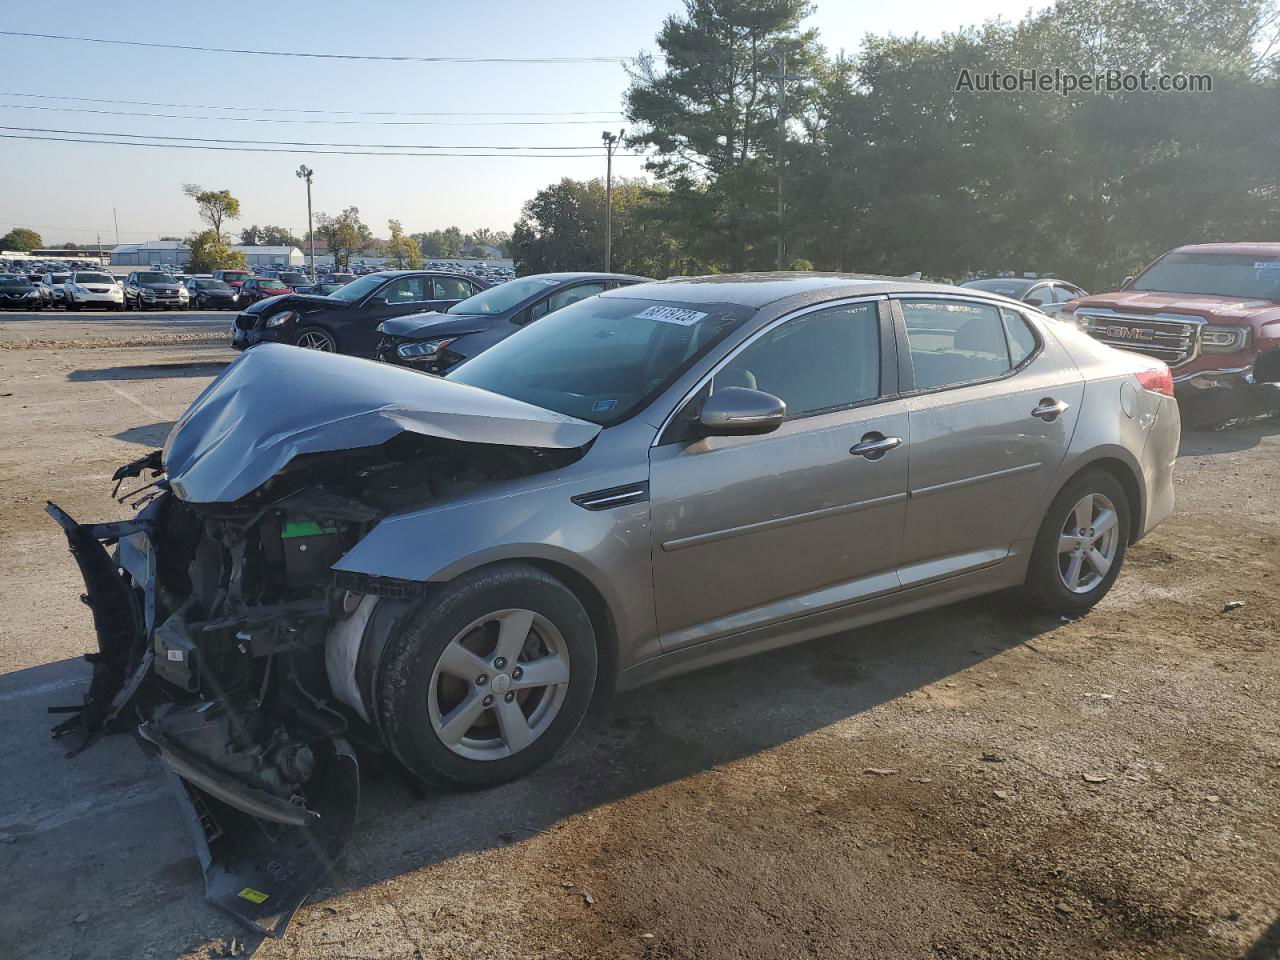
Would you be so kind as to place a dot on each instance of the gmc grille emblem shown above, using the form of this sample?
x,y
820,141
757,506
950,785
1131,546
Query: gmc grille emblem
x,y
1129,333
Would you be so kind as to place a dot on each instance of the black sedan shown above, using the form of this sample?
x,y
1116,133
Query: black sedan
x,y
18,291
347,320
437,342
204,293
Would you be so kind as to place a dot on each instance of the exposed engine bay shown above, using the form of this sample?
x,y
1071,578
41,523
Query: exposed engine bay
x,y
213,620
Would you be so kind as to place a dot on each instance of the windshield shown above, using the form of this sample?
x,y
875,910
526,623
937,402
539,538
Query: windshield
x,y
358,289
94,278
13,283
236,275
500,299
602,359
1247,276
154,278
1006,287
211,285
59,277
271,285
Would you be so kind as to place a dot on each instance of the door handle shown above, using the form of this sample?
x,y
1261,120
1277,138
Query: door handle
x,y
1049,409
874,445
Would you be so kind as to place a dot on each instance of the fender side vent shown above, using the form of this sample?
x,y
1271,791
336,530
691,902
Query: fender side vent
x,y
391,587
613,497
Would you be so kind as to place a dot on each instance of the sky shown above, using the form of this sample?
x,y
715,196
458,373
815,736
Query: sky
x,y
76,191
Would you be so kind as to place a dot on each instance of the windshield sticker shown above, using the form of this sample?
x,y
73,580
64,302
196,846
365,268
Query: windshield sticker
x,y
547,281
1267,265
684,318
602,405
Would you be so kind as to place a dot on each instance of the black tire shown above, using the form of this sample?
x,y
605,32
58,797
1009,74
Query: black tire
x,y
1044,587
411,657
73,306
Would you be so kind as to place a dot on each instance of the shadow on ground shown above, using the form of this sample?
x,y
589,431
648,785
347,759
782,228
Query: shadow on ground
x,y
149,371
1268,945
148,435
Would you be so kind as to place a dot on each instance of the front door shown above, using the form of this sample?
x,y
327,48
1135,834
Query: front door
x,y
396,298
752,531
995,407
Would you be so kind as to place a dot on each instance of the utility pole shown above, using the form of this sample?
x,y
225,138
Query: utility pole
x,y
116,220
611,140
305,173
782,77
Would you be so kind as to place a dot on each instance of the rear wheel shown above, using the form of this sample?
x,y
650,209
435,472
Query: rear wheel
x,y
489,679
1081,545
315,338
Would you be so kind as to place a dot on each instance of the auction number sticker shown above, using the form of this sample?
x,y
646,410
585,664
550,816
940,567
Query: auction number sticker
x,y
678,315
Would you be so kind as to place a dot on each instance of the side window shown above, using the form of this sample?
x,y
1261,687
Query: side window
x,y
452,288
954,342
539,309
1022,342
820,361
407,290
1038,296
562,298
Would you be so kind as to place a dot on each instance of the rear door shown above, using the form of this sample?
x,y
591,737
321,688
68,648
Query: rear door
x,y
993,407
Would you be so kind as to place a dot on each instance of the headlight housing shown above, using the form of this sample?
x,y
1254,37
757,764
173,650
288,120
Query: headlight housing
x,y
281,318
425,349
34,293
1214,339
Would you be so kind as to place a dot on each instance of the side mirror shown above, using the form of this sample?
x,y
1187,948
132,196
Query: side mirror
x,y
379,302
1034,302
740,412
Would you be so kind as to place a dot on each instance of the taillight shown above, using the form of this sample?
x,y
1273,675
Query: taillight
x,y
1158,380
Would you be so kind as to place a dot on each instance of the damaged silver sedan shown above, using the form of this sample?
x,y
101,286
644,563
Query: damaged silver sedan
x,y
336,558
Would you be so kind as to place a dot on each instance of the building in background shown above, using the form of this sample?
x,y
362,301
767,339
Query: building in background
x,y
152,251
267,257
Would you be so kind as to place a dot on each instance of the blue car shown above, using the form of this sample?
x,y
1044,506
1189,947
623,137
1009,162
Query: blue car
x,y
437,342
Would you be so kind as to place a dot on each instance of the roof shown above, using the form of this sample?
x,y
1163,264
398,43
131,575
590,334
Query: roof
x,y
264,250
1254,249
760,289
150,245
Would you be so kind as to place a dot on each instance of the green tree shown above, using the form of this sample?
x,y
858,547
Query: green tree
x,y
441,243
562,228
215,206
270,236
209,251
401,251
344,234
710,113
21,239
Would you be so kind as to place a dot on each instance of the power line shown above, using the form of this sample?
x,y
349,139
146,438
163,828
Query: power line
x,y
307,120
295,143
313,56
593,155
361,113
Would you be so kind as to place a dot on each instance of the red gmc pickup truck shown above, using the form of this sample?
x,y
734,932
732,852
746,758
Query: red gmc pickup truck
x,y
1211,311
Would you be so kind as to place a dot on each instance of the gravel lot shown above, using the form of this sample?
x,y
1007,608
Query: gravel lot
x,y
973,782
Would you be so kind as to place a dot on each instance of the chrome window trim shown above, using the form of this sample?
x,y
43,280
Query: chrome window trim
x,y
775,322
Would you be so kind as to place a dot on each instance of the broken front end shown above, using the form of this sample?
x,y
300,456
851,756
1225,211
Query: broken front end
x,y
225,638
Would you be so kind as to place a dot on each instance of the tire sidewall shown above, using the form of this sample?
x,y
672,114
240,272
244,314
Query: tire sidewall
x,y
1043,578
412,656
297,337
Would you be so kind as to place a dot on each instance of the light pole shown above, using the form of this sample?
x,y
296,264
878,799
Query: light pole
x,y
305,173
611,140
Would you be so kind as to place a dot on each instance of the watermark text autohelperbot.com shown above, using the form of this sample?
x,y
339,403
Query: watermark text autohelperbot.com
x,y
1032,80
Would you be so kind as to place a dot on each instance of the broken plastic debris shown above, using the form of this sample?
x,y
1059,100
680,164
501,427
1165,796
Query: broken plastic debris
x,y
880,771
1232,605
1095,778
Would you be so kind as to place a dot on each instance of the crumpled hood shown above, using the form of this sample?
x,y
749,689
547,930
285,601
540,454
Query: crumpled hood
x,y
307,302
277,402
433,324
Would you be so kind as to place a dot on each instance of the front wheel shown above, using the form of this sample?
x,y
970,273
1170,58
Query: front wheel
x,y
1081,545
315,338
489,679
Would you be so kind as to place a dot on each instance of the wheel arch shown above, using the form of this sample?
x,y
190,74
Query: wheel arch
x,y
1127,476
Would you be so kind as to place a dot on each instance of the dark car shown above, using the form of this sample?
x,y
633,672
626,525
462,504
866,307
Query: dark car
x,y
232,278
293,278
437,342
144,289
347,320
262,288
205,293
18,291
1043,292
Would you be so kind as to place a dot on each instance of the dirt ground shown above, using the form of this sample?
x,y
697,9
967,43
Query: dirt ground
x,y
973,782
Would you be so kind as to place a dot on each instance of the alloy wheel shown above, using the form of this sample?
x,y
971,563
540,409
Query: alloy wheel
x,y
317,340
1088,543
499,684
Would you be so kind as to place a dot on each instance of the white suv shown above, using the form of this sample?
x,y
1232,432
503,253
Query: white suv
x,y
92,289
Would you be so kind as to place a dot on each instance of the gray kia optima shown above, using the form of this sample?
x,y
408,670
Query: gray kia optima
x,y
335,551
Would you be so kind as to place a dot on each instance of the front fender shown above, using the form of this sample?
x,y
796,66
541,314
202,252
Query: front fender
x,y
609,548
